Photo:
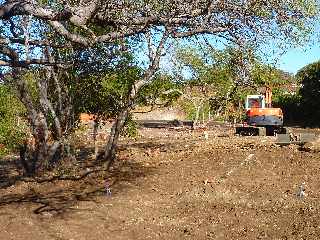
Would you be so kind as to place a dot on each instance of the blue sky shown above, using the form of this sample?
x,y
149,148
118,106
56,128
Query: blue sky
x,y
291,61
297,58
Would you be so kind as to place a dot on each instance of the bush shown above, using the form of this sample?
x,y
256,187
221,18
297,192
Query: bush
x,y
291,107
130,129
309,77
13,129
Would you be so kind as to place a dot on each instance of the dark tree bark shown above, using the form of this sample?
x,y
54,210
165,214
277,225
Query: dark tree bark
x,y
44,148
96,124
110,150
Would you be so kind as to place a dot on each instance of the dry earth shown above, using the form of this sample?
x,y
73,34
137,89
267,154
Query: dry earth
x,y
171,184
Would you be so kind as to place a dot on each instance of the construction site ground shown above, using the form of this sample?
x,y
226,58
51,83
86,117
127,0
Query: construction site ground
x,y
170,184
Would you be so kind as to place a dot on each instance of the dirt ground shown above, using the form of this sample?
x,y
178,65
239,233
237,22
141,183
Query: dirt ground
x,y
171,184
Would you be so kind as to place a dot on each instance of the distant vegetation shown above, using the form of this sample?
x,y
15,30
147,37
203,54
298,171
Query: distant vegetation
x,y
218,86
307,101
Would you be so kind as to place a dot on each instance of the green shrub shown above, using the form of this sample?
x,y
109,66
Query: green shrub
x,y
13,128
291,107
309,78
130,129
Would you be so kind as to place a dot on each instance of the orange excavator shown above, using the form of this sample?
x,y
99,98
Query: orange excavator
x,y
261,118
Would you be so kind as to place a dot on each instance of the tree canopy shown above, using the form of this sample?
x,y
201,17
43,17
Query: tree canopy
x,y
27,24
309,78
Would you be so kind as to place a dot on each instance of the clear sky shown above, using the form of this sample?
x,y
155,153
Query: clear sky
x,y
295,59
291,61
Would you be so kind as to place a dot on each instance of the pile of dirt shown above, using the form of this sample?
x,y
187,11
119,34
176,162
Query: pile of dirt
x,y
169,113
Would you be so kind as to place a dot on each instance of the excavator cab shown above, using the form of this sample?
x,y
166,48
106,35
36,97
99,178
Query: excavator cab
x,y
255,101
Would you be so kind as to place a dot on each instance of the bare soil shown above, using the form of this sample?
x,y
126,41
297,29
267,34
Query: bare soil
x,y
170,184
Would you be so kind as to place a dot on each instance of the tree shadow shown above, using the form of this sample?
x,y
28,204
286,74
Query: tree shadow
x,y
10,172
11,169
84,154
52,195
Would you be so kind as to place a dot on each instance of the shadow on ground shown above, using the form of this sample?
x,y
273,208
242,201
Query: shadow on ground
x,y
10,172
60,194
153,145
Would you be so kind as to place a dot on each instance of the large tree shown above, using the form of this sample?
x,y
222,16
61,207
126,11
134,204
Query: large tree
x,y
48,33
87,22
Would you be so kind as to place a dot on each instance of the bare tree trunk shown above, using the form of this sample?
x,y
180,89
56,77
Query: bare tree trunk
x,y
197,106
34,156
203,117
41,144
96,123
24,159
110,150
196,119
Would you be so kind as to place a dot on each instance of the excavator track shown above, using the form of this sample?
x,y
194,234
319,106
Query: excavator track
x,y
260,130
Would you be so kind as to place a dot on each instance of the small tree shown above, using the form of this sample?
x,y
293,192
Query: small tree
x,y
162,91
217,78
106,93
